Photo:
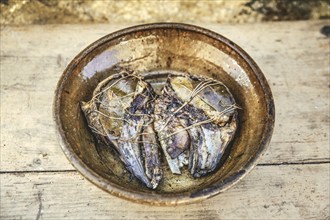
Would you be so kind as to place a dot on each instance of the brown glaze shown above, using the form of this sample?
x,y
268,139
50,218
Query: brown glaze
x,y
154,50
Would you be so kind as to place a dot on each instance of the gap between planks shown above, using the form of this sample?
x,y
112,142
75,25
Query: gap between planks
x,y
75,171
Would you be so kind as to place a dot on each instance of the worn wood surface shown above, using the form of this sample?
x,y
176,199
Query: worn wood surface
x,y
290,182
276,192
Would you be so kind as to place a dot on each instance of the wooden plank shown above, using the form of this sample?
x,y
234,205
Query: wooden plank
x,y
28,139
33,58
270,192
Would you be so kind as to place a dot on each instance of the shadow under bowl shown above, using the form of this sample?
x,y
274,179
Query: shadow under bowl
x,y
155,50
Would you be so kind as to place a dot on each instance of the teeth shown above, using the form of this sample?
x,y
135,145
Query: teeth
x,y
191,119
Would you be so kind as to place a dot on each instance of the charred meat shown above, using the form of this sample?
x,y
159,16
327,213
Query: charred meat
x,y
191,123
120,114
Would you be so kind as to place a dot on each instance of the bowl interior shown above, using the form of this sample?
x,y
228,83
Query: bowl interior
x,y
156,51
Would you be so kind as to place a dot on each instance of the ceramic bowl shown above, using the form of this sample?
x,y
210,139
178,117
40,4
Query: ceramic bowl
x,y
157,49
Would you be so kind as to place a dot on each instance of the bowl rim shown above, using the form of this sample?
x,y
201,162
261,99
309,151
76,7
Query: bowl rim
x,y
153,198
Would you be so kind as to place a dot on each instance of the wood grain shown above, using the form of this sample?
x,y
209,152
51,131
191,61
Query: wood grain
x,y
294,60
272,192
38,182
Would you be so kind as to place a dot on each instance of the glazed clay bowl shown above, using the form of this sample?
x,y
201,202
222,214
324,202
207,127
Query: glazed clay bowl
x,y
155,50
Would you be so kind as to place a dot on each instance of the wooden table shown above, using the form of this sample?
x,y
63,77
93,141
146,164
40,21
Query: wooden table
x,y
290,182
